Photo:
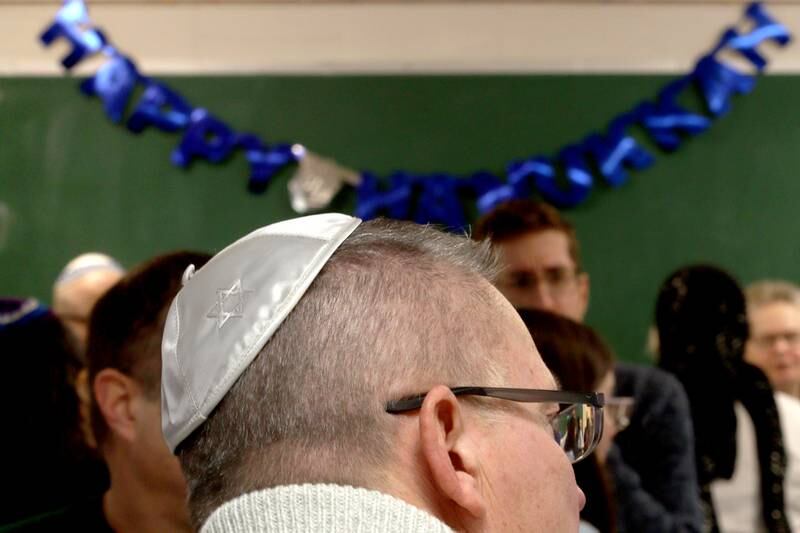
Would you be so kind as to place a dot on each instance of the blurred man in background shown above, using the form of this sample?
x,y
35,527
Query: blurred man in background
x,y
78,287
773,312
147,490
652,461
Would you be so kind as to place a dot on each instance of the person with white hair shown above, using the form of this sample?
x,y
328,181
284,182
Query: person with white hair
x,y
652,462
773,315
773,312
79,285
323,374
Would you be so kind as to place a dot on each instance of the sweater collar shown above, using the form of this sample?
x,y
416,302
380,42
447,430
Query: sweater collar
x,y
312,508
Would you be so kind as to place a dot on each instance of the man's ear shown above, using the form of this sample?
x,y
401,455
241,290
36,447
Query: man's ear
x,y
449,452
116,395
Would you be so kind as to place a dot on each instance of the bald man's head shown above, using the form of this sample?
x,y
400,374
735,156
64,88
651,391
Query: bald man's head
x,y
79,285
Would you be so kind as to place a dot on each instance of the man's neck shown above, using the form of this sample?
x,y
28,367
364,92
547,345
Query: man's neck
x,y
131,504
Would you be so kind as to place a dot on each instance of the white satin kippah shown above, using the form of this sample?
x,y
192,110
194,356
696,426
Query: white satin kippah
x,y
229,308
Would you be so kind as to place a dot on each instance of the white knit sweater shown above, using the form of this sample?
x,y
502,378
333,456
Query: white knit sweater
x,y
320,508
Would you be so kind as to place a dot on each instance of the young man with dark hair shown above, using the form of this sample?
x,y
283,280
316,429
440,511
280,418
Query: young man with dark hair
x,y
652,462
147,490
541,255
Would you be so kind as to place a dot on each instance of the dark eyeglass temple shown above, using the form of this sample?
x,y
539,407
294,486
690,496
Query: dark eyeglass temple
x,y
406,404
520,395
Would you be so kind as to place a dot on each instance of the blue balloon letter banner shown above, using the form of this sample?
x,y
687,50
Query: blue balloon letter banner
x,y
565,179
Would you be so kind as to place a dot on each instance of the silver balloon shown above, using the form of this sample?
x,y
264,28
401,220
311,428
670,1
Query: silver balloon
x,y
317,180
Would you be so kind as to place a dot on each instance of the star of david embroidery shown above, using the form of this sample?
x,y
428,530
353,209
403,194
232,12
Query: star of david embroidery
x,y
230,304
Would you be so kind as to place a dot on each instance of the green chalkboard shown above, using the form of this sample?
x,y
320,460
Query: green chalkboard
x,y
71,181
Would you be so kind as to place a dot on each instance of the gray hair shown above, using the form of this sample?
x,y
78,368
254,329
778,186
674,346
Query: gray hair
x,y
772,291
389,315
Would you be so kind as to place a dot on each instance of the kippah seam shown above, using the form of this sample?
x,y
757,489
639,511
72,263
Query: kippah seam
x,y
293,297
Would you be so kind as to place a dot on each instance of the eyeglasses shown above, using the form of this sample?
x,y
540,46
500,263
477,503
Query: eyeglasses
x,y
620,409
577,426
555,280
766,342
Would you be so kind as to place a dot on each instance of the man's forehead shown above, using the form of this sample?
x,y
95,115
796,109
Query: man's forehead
x,y
526,366
774,314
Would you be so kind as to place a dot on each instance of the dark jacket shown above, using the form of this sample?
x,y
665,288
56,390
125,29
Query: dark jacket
x,y
652,461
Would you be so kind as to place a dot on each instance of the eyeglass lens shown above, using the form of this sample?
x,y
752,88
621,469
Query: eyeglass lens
x,y
792,338
578,429
620,409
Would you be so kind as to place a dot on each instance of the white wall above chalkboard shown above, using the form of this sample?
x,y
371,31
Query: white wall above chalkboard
x,y
205,37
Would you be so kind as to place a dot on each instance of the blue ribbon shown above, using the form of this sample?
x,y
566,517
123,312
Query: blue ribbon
x,y
439,202
579,180
205,138
371,201
665,121
519,179
161,107
616,150
113,84
487,189
765,29
718,83
567,181
72,23
368,201
479,183
264,161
